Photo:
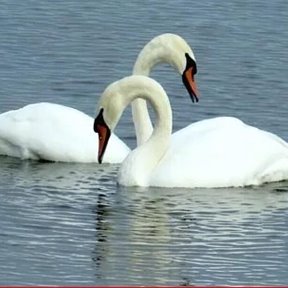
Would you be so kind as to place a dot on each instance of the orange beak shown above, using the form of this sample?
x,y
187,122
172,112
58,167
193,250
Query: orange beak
x,y
104,134
190,83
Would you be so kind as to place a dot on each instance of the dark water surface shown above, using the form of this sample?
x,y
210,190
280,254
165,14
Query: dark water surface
x,y
70,223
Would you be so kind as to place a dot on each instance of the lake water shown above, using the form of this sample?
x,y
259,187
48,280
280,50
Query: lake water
x,y
70,223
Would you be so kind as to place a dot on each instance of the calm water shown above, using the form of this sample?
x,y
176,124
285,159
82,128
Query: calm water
x,y
70,223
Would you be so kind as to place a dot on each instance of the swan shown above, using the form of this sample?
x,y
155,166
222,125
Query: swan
x,y
58,133
218,152
54,132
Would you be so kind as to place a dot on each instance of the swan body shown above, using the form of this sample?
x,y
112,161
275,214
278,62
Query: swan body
x,y
219,152
58,133
55,133
222,152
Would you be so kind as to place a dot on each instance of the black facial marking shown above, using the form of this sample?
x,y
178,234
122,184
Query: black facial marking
x,y
190,63
99,120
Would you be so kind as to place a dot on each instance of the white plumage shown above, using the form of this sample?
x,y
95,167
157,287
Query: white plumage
x,y
219,152
54,132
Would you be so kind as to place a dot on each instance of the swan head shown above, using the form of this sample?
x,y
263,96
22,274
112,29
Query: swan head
x,y
111,105
110,109
118,95
174,50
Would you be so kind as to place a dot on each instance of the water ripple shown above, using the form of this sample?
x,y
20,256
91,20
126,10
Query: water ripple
x,y
70,223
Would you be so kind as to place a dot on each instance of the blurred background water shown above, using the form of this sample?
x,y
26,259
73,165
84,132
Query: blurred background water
x,y
70,223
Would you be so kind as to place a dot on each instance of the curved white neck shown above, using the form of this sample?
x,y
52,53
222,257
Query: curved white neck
x,y
166,48
141,161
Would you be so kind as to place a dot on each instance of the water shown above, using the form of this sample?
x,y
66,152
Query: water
x,y
70,223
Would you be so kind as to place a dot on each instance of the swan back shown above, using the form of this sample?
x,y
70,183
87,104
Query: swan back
x,y
55,133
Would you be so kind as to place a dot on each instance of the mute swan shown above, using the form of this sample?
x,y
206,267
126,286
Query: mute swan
x,y
58,133
53,132
220,152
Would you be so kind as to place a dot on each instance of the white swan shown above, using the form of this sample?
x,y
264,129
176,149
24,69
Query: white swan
x,y
220,152
54,132
58,133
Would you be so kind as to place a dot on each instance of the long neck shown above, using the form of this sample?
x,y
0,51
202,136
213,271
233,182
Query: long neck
x,y
155,52
137,167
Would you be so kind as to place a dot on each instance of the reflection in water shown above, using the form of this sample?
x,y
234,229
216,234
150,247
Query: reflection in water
x,y
102,228
184,236
74,220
